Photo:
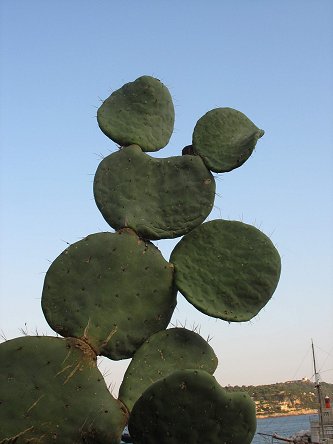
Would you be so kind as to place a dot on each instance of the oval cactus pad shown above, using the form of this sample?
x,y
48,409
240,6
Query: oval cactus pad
x,y
161,354
112,290
225,138
52,391
140,112
189,406
226,269
157,198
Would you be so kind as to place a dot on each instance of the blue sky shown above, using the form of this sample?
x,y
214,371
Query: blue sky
x,y
271,60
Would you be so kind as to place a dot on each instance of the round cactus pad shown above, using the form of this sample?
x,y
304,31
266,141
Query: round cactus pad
x,y
226,269
112,290
140,112
52,391
161,354
157,198
189,406
225,138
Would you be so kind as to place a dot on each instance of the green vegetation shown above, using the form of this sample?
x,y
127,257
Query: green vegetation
x,y
113,293
188,405
284,397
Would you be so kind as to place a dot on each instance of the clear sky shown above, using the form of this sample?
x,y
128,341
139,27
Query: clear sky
x,y
272,60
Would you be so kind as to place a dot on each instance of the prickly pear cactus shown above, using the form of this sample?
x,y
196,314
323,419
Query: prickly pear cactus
x,y
189,406
234,269
158,198
112,290
52,391
162,354
225,138
113,293
140,112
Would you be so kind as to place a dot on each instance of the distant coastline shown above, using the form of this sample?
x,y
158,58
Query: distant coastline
x,y
291,413
291,398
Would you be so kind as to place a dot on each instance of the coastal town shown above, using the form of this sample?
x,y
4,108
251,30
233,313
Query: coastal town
x,y
285,398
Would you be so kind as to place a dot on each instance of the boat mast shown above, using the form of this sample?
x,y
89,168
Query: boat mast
x,y
317,385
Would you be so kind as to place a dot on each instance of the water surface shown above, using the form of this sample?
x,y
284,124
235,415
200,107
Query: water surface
x,y
282,425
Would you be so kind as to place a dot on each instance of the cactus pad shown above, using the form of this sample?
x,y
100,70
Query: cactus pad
x,y
189,406
52,391
158,198
225,138
161,354
140,112
112,290
226,269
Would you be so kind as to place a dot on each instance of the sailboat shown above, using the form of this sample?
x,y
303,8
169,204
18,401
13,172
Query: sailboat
x,y
321,426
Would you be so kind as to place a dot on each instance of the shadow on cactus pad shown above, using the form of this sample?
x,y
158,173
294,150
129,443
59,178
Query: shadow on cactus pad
x,y
226,269
112,290
189,406
52,391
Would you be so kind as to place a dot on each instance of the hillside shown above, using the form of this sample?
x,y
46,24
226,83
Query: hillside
x,y
286,398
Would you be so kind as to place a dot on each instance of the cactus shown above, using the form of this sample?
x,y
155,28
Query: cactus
x,y
233,267
113,294
225,138
140,112
112,290
52,391
190,406
161,354
158,198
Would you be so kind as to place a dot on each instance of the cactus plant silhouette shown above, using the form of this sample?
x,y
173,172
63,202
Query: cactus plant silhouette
x,y
113,293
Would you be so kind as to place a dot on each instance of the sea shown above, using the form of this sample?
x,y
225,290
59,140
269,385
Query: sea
x,y
281,425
